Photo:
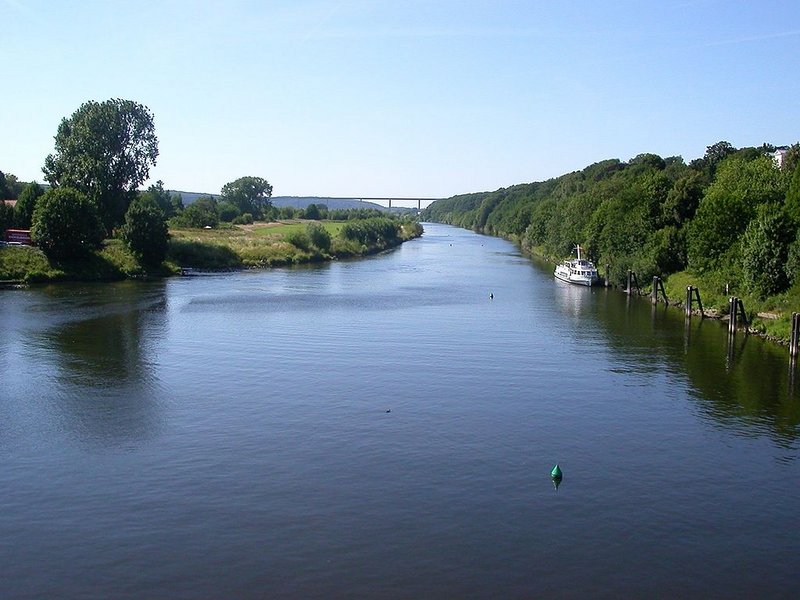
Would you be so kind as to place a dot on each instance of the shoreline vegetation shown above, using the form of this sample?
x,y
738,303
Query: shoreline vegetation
x,y
224,248
727,223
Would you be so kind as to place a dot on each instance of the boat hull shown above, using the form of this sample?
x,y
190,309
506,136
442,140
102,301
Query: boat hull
x,y
575,280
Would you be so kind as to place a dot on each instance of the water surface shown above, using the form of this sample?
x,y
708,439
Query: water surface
x,y
383,428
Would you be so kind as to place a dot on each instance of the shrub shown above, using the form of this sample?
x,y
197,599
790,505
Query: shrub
x,y
66,224
300,240
245,219
145,232
319,236
228,211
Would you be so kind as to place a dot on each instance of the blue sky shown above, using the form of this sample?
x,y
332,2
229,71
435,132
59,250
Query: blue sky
x,y
423,98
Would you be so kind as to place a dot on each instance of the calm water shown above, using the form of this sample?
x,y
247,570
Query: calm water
x,y
382,428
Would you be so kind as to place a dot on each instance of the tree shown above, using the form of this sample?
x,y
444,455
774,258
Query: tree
x,y
729,204
145,231
793,196
228,211
6,216
105,150
66,224
10,186
26,203
200,213
250,194
312,212
765,251
161,197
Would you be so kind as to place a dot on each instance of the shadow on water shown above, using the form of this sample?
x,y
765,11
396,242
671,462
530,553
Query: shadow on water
x,y
103,363
742,383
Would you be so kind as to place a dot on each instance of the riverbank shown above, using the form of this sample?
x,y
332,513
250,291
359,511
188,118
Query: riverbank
x,y
261,245
767,317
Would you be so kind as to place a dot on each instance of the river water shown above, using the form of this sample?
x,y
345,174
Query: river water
x,y
384,428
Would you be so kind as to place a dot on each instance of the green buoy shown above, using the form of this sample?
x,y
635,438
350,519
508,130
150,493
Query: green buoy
x,y
556,473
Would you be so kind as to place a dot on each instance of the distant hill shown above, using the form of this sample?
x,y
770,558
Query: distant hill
x,y
294,201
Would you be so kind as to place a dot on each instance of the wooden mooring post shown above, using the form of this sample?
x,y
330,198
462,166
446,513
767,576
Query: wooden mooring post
x,y
632,281
658,286
692,294
736,310
794,340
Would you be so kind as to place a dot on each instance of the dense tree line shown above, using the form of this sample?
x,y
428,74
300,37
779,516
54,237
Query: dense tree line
x,y
733,211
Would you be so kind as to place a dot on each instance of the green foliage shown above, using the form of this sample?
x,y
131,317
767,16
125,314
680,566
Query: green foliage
x,y
66,224
145,231
10,187
6,217
249,194
162,199
228,211
300,240
312,212
765,251
793,196
26,203
319,236
200,213
187,253
105,150
245,219
371,232
728,205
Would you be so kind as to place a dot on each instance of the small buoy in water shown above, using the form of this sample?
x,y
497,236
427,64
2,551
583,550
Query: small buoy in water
x,y
556,473
491,296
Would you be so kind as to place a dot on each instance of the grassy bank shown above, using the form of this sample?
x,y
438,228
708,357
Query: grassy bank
x,y
769,316
259,245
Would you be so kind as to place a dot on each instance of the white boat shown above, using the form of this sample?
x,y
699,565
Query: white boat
x,y
577,270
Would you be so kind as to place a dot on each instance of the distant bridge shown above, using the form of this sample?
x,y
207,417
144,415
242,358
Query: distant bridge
x,y
396,200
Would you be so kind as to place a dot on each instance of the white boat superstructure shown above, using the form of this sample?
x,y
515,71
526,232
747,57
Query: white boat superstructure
x,y
577,270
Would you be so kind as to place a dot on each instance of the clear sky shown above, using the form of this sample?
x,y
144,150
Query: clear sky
x,y
423,98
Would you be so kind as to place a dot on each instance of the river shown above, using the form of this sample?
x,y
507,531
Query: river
x,y
385,428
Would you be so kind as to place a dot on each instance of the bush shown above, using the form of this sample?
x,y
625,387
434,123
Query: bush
x,y
319,236
228,211
66,224
300,240
245,219
145,232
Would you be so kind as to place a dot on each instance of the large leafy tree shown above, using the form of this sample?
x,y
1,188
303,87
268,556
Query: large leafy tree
x,y
729,204
249,194
105,150
765,251
66,224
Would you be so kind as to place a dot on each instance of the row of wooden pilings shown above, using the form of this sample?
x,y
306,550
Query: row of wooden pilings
x,y
736,312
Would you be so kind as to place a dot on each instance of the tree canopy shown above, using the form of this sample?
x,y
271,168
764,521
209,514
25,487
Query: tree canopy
x,y
66,224
145,231
105,150
655,216
249,194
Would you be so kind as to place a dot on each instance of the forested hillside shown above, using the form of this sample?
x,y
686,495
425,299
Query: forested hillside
x,y
733,214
